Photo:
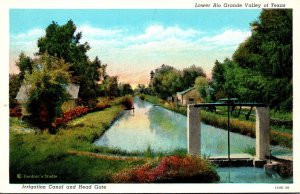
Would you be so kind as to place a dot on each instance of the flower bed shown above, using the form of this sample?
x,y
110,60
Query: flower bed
x,y
172,169
69,115
15,112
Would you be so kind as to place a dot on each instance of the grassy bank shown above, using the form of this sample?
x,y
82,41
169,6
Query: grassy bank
x,y
279,135
35,156
69,155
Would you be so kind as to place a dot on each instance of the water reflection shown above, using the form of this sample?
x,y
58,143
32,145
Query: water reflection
x,y
167,124
165,130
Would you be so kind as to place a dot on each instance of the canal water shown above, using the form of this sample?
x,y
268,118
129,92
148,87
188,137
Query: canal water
x,y
162,130
248,175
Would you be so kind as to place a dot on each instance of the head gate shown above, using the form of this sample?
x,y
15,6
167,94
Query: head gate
x,y
262,126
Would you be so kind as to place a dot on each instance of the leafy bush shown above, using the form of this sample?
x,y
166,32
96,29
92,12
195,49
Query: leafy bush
x,y
14,85
100,106
15,112
285,170
142,97
127,101
173,169
278,138
47,90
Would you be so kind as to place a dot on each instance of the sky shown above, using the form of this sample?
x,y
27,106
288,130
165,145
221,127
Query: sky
x,y
132,42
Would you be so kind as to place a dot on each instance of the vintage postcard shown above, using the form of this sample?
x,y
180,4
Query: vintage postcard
x,y
193,96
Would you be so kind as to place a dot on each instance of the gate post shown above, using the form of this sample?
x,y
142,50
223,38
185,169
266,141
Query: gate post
x,y
193,130
262,132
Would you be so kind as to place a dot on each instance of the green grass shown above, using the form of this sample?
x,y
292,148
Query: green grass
x,y
280,134
282,121
275,115
250,150
165,104
40,153
287,116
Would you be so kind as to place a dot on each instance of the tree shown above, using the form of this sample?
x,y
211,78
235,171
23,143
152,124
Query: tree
x,y
62,42
269,49
218,80
218,75
102,72
111,86
190,74
167,81
201,85
151,77
248,85
141,89
89,87
125,89
268,56
14,85
24,64
47,90
231,81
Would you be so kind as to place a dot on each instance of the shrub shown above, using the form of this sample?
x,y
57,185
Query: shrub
x,y
127,101
14,85
100,106
279,138
285,170
15,112
142,97
69,115
46,90
148,153
172,169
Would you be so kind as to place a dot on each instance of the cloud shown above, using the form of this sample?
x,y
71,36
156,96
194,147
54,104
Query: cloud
x,y
93,32
155,40
29,35
26,42
158,44
227,38
23,42
159,32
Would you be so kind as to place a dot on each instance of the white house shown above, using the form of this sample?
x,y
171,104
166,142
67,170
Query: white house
x,y
188,96
72,89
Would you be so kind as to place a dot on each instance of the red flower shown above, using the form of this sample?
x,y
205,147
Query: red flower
x,y
69,115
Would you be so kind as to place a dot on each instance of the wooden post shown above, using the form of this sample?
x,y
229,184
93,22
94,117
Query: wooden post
x,y
193,130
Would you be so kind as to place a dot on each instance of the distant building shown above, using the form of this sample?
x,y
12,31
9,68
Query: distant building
x,y
72,90
188,96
